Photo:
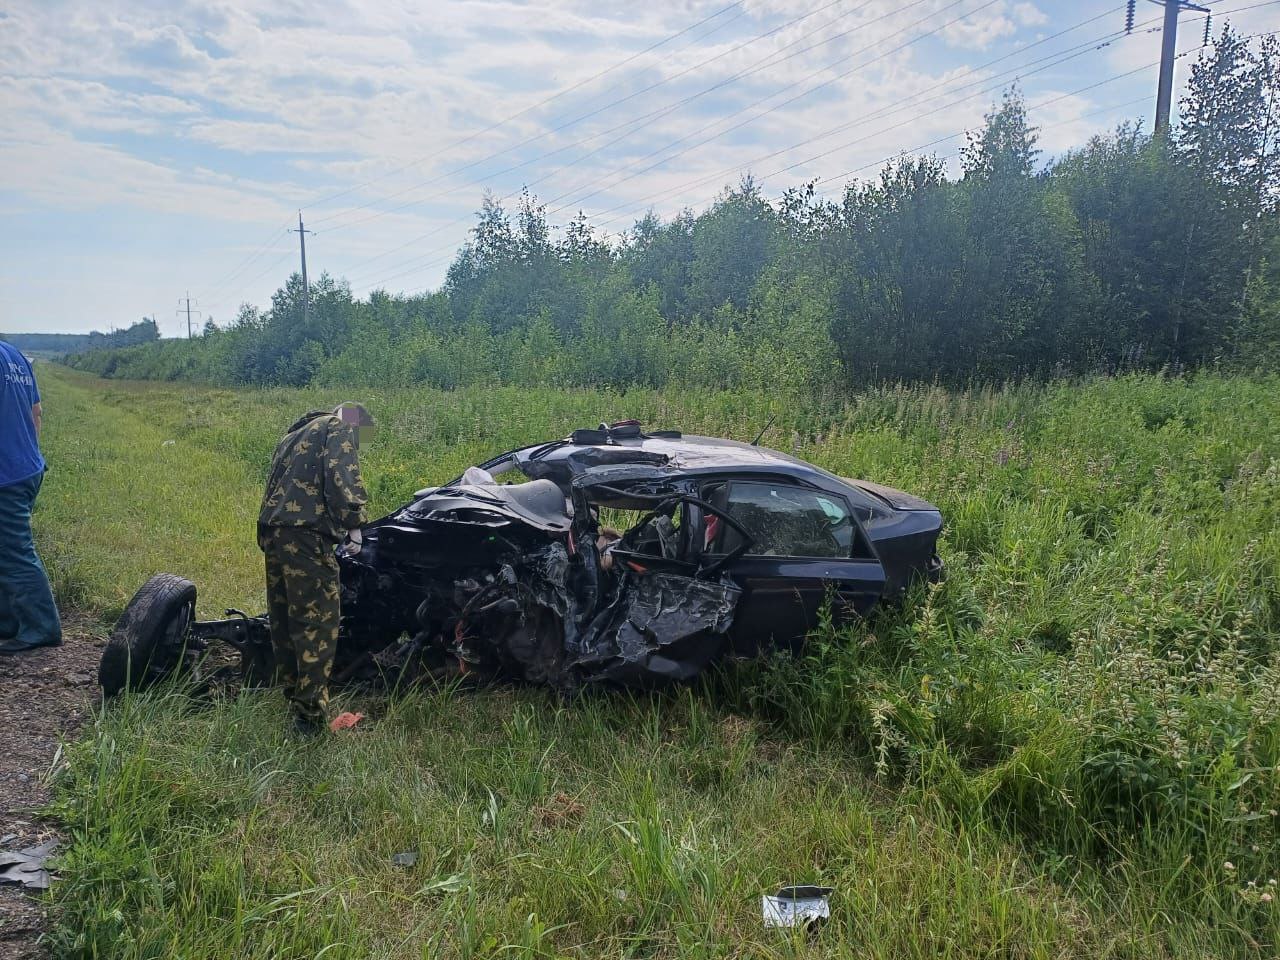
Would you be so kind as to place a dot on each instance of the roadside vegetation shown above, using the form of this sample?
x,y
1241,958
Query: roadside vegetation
x,y
1071,748
1131,252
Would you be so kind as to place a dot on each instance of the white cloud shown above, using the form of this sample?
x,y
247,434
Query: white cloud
x,y
235,112
1029,15
60,170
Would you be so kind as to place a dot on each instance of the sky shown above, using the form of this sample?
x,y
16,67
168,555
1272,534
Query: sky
x,y
154,151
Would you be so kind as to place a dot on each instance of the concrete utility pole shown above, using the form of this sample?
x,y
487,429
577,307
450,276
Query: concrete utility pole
x,y
187,301
306,287
1169,53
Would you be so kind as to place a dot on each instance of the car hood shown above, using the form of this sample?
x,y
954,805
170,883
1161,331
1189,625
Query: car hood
x,y
538,503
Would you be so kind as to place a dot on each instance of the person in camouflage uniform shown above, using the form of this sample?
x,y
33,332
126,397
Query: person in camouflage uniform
x,y
314,497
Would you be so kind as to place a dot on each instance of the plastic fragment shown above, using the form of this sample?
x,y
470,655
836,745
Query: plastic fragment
x,y
345,721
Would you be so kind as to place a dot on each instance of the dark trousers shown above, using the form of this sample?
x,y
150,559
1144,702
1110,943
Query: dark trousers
x,y
302,602
28,615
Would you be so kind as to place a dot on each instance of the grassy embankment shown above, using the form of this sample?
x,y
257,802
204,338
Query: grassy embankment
x,y
1070,749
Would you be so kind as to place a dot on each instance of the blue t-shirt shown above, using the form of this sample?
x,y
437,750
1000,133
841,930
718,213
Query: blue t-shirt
x,y
19,451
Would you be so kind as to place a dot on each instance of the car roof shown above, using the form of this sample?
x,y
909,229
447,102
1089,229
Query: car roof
x,y
582,454
687,454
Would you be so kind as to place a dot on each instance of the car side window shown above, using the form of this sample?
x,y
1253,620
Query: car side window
x,y
784,521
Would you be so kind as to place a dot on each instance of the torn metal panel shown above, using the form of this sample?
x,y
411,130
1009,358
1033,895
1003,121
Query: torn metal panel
x,y
28,868
612,475
660,628
563,470
539,503
541,621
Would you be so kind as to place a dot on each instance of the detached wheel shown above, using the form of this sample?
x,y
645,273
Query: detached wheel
x,y
149,642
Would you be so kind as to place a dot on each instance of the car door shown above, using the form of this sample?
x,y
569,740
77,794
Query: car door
x,y
808,545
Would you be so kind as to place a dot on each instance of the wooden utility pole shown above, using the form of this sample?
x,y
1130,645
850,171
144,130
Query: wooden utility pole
x,y
1169,53
306,288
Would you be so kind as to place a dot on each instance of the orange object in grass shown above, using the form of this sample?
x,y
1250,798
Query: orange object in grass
x,y
344,721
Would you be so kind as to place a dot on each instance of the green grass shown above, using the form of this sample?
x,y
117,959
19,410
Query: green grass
x,y
1057,753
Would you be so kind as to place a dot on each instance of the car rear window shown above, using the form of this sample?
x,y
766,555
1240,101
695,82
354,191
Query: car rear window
x,y
784,521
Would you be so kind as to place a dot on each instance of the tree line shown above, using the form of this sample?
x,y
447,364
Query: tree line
x,y
1134,251
144,331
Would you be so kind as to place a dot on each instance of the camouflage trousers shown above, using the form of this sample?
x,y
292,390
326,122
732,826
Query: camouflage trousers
x,y
302,602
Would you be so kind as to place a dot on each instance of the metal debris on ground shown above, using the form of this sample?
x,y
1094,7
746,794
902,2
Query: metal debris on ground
x,y
796,906
406,859
27,867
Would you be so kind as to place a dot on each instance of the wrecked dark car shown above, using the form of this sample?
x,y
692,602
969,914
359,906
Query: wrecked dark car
x,y
614,556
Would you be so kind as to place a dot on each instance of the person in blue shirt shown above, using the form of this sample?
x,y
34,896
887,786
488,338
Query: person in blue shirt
x,y
28,616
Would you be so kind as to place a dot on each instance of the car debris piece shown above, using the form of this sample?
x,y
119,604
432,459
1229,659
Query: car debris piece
x,y
28,867
796,906
614,557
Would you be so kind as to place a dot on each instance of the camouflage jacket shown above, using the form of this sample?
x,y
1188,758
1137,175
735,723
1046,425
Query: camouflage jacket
x,y
315,479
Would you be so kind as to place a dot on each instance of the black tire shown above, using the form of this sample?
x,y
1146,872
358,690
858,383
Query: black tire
x,y
149,642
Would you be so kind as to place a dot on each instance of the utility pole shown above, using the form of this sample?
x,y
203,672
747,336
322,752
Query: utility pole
x,y
1168,53
306,288
187,301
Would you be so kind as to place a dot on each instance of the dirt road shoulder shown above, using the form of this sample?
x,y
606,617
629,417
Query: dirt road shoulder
x,y
45,696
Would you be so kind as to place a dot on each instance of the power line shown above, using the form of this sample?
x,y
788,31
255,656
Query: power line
x,y
634,123
1101,41
1020,71
664,111
248,282
257,255
420,257
288,254
737,126
939,140
877,163
585,116
956,153
808,76
219,285
1187,52
778,106
242,264
541,103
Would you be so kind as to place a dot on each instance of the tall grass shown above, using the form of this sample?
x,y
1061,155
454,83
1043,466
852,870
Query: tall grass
x,y
1069,748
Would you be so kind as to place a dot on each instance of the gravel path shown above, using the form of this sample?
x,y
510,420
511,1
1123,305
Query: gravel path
x,y
44,698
